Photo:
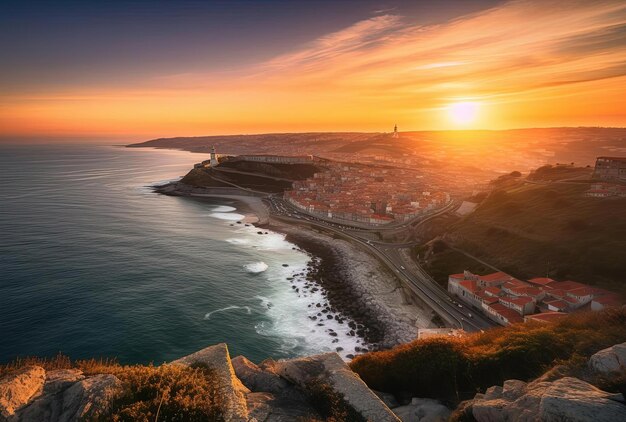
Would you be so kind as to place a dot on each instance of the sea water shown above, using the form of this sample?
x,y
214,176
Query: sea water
x,y
94,263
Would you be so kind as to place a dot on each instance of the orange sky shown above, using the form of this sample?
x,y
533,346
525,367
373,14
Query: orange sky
x,y
525,63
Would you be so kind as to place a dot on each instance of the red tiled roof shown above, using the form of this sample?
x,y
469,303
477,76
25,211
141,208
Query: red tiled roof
x,y
581,291
559,304
567,285
495,276
469,285
546,316
508,313
542,281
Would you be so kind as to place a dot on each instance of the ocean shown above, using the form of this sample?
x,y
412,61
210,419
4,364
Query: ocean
x,y
94,264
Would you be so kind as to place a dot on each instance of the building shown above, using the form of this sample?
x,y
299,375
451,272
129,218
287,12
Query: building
x,y
610,168
214,161
279,159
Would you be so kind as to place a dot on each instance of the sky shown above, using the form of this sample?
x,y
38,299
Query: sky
x,y
137,70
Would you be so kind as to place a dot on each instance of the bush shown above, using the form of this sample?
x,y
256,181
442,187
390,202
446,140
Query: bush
x,y
457,368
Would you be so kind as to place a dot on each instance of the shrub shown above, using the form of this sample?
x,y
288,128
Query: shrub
x,y
457,368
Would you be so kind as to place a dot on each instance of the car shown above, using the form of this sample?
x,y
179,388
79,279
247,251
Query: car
x,y
402,267
470,315
459,305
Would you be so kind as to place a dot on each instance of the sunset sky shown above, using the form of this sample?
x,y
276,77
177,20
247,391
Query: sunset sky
x,y
139,70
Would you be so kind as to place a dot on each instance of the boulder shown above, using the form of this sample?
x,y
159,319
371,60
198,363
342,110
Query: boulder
x,y
564,399
19,387
61,379
574,400
332,371
89,398
231,391
423,410
611,359
257,379
266,407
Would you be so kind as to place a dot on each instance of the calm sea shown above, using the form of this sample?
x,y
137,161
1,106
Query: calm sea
x,y
92,263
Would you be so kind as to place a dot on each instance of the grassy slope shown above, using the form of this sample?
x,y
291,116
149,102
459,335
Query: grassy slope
x,y
535,229
457,368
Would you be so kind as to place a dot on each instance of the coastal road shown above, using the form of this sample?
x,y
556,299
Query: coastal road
x,y
418,281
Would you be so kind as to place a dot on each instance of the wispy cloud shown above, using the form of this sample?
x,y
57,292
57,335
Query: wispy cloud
x,y
534,62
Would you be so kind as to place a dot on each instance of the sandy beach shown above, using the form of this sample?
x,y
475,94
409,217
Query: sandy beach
x,y
358,287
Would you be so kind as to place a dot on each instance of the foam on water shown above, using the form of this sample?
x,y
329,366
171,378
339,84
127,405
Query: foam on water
x,y
229,216
256,267
224,208
228,308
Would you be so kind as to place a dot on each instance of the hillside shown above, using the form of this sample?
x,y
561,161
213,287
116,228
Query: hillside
x,y
263,177
531,230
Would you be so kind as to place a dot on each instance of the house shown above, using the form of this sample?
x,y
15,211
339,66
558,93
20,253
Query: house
x,y
501,314
545,317
605,301
523,305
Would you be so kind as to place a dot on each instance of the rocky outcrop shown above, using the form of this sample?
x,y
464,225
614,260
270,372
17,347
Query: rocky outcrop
x,y
18,388
423,410
565,399
231,391
331,370
30,394
272,398
611,359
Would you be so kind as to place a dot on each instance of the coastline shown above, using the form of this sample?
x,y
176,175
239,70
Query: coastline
x,y
357,286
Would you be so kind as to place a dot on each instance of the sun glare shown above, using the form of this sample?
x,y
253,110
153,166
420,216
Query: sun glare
x,y
463,113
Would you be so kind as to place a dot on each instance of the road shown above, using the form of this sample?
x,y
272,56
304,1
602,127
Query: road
x,y
407,270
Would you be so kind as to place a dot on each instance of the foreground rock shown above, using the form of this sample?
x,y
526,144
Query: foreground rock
x,y
423,410
330,370
272,398
231,391
611,359
18,388
565,399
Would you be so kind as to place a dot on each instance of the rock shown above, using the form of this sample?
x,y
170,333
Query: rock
x,y
267,407
19,387
574,400
564,399
231,390
87,399
331,370
387,398
512,389
423,410
256,379
61,379
611,359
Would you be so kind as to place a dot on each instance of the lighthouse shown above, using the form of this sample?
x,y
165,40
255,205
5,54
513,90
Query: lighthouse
x,y
213,157
395,132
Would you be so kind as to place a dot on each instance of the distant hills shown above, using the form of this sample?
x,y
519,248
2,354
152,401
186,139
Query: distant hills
x,y
499,151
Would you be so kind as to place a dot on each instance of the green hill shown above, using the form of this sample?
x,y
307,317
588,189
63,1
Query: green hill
x,y
534,229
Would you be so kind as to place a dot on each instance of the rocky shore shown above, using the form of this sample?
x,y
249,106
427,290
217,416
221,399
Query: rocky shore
x,y
358,287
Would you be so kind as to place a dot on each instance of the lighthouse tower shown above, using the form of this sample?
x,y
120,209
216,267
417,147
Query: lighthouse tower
x,y
395,132
213,157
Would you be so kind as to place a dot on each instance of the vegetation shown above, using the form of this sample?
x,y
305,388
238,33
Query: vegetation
x,y
458,368
331,405
534,230
173,392
445,261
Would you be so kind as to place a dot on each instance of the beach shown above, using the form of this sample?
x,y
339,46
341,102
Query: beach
x,y
357,287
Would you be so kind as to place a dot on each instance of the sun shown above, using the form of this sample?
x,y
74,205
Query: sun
x,y
463,113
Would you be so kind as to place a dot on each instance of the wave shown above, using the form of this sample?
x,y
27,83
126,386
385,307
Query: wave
x,y
230,216
256,267
224,208
238,241
228,308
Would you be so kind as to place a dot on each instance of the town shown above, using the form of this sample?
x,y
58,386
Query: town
x,y
507,300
